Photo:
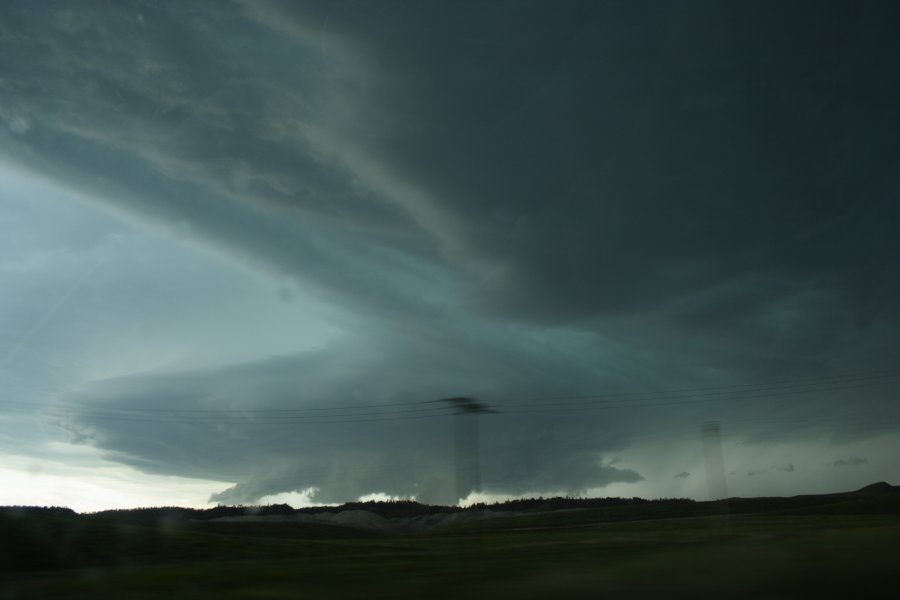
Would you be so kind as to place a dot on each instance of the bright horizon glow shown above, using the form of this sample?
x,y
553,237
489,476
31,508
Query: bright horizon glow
x,y
103,485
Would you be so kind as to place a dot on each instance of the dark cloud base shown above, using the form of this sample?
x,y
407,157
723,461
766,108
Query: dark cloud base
x,y
501,199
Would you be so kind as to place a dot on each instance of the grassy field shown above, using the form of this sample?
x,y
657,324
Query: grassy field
x,y
589,553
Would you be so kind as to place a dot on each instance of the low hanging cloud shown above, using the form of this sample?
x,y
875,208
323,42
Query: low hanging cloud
x,y
286,441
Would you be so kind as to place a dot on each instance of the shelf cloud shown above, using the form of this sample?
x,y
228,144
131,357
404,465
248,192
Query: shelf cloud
x,y
610,222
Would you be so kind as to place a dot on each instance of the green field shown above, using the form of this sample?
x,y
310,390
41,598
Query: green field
x,y
844,548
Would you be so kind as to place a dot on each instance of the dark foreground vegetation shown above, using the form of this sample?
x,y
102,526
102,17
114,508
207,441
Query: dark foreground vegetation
x,y
836,545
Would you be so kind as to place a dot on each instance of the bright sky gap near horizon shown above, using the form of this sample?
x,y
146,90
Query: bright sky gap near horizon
x,y
245,245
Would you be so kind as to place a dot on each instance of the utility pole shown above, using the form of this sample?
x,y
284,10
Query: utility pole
x,y
711,434
467,443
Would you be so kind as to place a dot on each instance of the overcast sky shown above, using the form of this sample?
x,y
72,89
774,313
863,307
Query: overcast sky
x,y
244,247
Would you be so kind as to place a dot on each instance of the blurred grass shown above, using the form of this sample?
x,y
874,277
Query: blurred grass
x,y
579,552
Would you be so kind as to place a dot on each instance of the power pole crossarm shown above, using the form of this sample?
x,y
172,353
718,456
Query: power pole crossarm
x,y
464,405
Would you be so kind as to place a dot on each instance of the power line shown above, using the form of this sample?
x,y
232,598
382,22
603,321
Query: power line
x,y
297,416
550,402
425,409
207,421
710,391
700,398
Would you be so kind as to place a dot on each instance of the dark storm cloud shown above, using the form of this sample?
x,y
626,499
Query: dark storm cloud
x,y
575,161
658,167
147,108
171,423
613,158
667,195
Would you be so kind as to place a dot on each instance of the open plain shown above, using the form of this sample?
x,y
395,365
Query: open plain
x,y
838,545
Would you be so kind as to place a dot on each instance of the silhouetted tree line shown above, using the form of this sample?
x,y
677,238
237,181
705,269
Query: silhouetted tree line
x,y
177,512
388,509
411,508
31,511
561,503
